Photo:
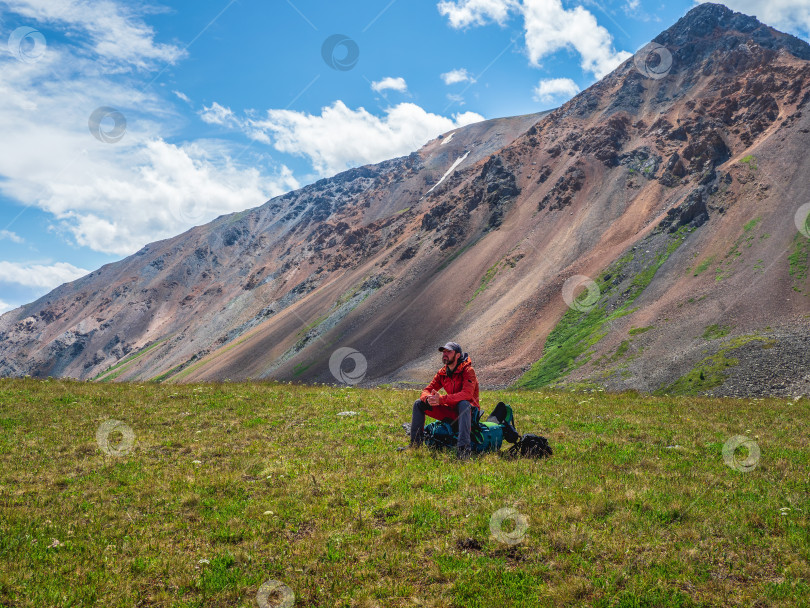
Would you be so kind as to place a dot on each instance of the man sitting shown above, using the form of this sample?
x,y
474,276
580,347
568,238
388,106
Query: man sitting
x,y
457,378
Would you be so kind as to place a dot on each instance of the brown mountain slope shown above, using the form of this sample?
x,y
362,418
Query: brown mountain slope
x,y
678,195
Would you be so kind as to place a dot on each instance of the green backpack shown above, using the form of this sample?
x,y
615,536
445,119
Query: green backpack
x,y
485,436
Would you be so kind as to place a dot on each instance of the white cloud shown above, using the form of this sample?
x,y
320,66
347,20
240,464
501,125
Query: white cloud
x,y
182,96
463,13
117,32
218,115
395,84
553,88
11,236
548,28
786,15
114,198
168,188
38,275
340,138
4,308
456,76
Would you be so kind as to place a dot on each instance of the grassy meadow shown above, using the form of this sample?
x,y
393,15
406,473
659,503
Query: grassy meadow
x,y
204,492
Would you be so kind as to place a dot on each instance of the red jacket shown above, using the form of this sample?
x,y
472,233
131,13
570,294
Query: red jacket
x,y
461,385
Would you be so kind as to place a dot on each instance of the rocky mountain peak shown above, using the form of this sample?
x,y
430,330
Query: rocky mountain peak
x,y
709,27
670,192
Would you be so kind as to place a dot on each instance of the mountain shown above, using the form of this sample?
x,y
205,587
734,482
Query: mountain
x,y
670,192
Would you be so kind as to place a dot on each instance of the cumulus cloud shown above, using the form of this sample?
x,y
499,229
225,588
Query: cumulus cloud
x,y
114,198
555,88
340,137
464,13
788,15
456,76
40,275
548,28
218,115
11,236
394,84
116,33
167,189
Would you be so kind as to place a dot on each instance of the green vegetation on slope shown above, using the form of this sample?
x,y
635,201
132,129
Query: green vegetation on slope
x,y
116,370
798,260
227,486
711,371
715,331
704,265
486,280
724,269
751,161
577,331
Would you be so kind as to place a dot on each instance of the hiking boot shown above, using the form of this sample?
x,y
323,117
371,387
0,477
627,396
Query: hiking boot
x,y
464,453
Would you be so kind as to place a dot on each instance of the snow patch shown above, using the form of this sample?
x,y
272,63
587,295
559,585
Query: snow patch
x,y
449,171
446,139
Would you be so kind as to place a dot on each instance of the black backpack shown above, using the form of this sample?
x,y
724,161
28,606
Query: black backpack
x,y
532,446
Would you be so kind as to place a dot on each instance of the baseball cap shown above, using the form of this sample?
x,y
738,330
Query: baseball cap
x,y
451,346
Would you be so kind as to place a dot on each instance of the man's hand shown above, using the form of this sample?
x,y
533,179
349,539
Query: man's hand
x,y
433,399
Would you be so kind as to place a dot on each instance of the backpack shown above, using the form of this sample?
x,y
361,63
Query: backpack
x,y
485,436
531,446
488,435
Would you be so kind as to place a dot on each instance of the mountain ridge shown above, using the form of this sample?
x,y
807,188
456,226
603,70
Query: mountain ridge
x,y
376,260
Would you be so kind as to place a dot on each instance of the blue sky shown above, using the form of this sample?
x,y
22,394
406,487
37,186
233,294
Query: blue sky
x,y
126,123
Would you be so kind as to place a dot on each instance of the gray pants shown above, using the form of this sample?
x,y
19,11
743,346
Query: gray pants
x,y
418,423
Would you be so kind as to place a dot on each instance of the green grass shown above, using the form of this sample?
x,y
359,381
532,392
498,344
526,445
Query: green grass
x,y
578,331
715,331
724,269
635,508
703,265
634,331
621,349
798,260
751,161
116,370
749,226
711,371
489,275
